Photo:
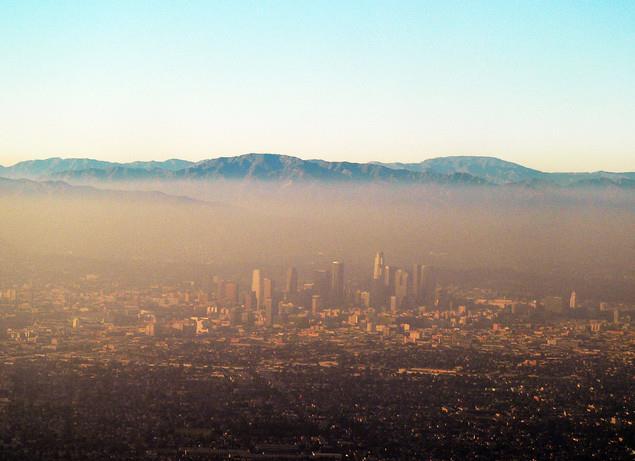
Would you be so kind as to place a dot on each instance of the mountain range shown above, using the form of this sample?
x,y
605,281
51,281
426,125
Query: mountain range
x,y
466,170
29,188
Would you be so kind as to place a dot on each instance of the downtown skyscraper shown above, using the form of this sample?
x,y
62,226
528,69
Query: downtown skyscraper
x,y
337,282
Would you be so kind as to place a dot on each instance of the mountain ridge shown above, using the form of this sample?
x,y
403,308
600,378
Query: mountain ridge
x,y
30,188
466,170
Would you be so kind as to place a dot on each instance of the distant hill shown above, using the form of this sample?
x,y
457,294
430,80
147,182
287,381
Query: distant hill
x,y
169,165
273,167
466,170
30,188
65,167
497,171
491,169
253,167
32,169
114,173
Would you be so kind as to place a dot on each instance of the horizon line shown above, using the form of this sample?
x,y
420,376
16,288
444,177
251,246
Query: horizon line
x,y
308,158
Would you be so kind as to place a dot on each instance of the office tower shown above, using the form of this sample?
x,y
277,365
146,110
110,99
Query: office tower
x,y
377,293
337,282
270,311
249,300
401,286
231,293
291,286
416,286
267,289
389,279
553,304
378,289
321,283
378,267
444,301
393,304
365,298
256,287
429,285
315,305
572,301
247,317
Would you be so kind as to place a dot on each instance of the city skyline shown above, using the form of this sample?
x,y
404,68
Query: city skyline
x,y
367,230
439,367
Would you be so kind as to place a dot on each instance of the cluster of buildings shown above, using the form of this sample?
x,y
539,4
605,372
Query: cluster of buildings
x,y
247,369
392,301
391,288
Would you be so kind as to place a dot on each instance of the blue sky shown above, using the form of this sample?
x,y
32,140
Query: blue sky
x,y
547,84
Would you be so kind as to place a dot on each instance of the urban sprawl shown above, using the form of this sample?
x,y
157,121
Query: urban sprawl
x,y
392,366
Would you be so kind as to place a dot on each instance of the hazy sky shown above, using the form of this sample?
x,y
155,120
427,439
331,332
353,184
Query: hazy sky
x,y
548,84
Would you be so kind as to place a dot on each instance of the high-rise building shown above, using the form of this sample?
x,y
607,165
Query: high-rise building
x,y
270,311
267,288
231,293
249,300
572,301
416,285
365,298
429,285
389,280
321,283
393,304
337,282
401,286
378,288
378,267
553,304
377,293
291,286
235,315
256,287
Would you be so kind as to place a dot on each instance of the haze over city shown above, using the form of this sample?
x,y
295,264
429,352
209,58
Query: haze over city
x,y
328,230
